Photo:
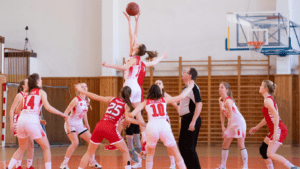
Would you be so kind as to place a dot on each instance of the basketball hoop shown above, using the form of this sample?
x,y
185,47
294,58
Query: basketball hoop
x,y
255,48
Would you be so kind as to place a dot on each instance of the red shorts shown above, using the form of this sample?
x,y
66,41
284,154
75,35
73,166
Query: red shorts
x,y
107,130
282,133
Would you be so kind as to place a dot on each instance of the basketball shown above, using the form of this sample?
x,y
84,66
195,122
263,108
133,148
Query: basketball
x,y
132,9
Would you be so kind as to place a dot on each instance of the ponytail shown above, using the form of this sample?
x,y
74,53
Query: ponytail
x,y
151,55
271,86
125,93
229,93
32,82
20,87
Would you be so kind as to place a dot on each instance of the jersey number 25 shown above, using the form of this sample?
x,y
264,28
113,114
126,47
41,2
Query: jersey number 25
x,y
114,109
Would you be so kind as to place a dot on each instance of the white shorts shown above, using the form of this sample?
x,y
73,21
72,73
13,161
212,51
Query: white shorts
x,y
25,129
76,128
159,129
235,131
136,91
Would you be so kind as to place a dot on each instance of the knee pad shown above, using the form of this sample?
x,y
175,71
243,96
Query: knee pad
x,y
263,150
136,129
130,129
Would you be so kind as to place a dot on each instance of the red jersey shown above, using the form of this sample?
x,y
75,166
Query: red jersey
x,y
115,111
270,119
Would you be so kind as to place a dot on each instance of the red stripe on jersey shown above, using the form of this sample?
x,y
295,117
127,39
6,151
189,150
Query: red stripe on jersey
x,y
79,98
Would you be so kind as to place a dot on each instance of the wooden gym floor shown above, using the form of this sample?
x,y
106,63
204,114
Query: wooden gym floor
x,y
210,157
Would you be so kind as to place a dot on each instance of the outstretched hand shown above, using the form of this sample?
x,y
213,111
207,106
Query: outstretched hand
x,y
105,64
137,16
127,16
165,55
78,87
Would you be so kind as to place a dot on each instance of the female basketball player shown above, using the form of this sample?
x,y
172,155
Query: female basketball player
x,y
164,94
278,130
29,122
236,127
135,71
158,127
23,86
74,126
107,126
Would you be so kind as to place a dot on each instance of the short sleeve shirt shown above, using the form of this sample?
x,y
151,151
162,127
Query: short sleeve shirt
x,y
188,104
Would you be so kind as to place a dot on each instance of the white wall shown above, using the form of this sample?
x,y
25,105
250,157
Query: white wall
x,y
66,34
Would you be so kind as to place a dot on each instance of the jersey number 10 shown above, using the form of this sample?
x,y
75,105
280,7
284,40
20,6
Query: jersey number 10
x,y
160,108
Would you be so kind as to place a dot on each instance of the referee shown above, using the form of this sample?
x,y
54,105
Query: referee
x,y
189,110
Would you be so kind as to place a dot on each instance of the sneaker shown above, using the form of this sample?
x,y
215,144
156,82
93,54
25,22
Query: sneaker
x,y
110,147
295,167
173,166
245,168
95,165
138,164
30,167
19,167
64,166
133,156
221,167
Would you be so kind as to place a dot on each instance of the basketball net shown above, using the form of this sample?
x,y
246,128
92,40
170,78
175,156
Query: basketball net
x,y
255,48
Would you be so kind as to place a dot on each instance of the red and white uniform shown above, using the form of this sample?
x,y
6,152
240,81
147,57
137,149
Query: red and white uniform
x,y
29,121
157,126
77,114
107,126
281,130
134,78
236,127
16,116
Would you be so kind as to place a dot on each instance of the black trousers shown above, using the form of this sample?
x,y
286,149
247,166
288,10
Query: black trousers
x,y
188,141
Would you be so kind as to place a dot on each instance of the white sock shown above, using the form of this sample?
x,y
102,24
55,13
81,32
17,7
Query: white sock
x,y
92,159
126,167
19,163
224,157
245,157
12,163
143,137
149,165
48,165
181,165
270,166
172,159
288,164
29,162
66,160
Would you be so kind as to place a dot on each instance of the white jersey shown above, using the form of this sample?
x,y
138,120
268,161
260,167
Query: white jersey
x,y
156,109
32,105
134,71
78,112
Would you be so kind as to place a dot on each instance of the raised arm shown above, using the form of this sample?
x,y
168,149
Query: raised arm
x,y
136,31
174,103
138,109
48,106
131,62
131,38
156,60
92,95
182,95
17,101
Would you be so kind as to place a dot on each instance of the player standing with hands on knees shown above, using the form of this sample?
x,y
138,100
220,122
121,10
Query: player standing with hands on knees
x,y
278,130
236,127
134,74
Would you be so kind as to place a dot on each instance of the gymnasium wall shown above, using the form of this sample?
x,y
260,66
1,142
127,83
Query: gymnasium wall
x,y
66,35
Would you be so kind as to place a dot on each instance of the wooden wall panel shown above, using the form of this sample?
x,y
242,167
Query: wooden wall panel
x,y
296,113
283,98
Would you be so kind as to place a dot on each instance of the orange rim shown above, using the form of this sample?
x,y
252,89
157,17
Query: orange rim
x,y
256,44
